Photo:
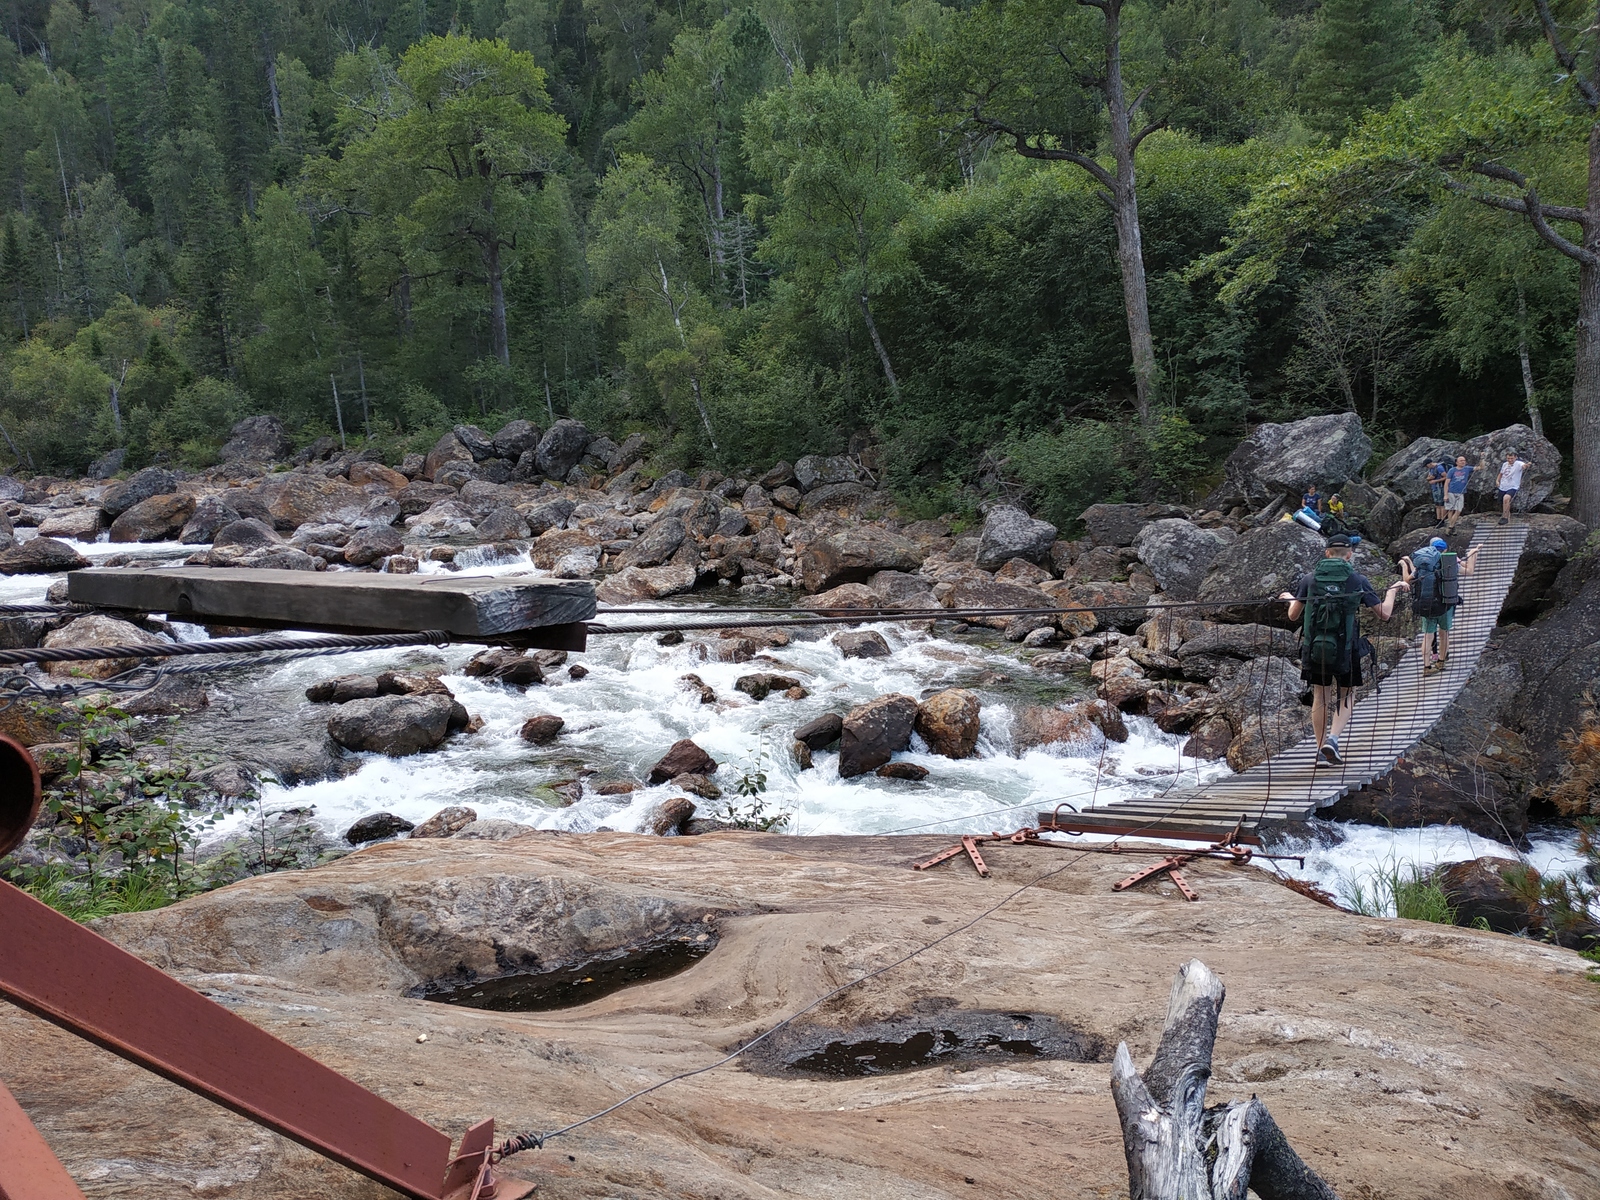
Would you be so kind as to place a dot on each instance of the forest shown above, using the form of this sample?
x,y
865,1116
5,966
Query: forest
x,y
1072,246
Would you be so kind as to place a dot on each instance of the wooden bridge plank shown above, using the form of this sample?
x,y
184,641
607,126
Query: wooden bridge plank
x,y
368,602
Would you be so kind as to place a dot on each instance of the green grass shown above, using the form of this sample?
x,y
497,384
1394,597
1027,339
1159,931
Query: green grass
x,y
1406,890
82,899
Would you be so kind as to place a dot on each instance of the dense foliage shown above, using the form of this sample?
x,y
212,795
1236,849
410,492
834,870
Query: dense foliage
x,y
770,226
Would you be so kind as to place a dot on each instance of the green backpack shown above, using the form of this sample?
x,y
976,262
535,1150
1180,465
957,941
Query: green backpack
x,y
1330,621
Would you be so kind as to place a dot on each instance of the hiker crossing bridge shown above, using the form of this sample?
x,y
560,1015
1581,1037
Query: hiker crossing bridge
x,y
1291,785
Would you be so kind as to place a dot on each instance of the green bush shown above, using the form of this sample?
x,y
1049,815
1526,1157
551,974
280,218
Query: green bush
x,y
1063,473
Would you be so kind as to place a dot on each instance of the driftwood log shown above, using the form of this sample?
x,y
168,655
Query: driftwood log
x,y
1177,1148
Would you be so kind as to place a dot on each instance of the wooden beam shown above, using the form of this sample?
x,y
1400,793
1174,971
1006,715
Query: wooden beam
x,y
528,611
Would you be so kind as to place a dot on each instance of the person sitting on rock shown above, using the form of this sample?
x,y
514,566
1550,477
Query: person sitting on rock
x,y
1312,499
1455,490
1331,597
1420,569
1509,483
1436,482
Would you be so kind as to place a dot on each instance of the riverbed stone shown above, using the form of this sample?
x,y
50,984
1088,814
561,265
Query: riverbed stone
x,y
861,643
446,822
684,758
1276,461
367,546
260,439
95,629
763,683
141,485
910,772
541,728
374,827
873,732
41,556
1178,553
394,725
853,554
1009,533
821,732
948,722
561,448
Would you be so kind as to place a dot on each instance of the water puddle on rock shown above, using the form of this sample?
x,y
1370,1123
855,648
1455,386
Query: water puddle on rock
x,y
583,983
943,1037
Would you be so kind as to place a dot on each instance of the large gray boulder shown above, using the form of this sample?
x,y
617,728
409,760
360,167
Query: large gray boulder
x,y
515,437
562,448
477,442
817,470
41,556
1178,554
210,515
392,725
873,732
1262,563
1405,471
1009,533
658,543
854,554
1120,524
1277,461
141,485
257,439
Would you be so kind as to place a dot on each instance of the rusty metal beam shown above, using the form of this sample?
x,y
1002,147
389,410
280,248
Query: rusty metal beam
x,y
58,970
29,1169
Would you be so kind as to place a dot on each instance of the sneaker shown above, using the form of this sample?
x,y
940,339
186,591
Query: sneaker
x,y
1330,750
1505,520
1436,665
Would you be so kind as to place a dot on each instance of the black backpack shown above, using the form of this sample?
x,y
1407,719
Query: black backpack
x,y
1329,632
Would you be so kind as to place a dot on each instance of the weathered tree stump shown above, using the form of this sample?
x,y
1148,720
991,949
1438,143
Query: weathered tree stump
x,y
1177,1148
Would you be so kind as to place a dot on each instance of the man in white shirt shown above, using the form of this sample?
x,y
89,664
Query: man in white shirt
x,y
1510,480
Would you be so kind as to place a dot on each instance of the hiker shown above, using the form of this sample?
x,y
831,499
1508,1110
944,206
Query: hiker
x,y
1334,522
1312,499
1455,490
1436,481
1420,569
1330,659
1509,483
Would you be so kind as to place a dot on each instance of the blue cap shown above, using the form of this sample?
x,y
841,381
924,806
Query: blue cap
x,y
1355,539
1439,544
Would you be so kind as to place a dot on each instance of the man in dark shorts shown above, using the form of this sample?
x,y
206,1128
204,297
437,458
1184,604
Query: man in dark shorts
x,y
1435,479
1333,686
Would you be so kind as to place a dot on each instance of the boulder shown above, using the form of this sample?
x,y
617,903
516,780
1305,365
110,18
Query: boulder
x,y
1009,533
980,592
75,524
448,449
820,733
1119,524
846,598
1500,892
816,470
842,500
1552,540
8,534
948,722
1037,726
541,729
1213,651
1488,452
646,583
542,518
787,498
245,534
301,498
41,556
1277,461
781,475
367,546
158,519
902,590
12,488
209,515
343,688
1405,471
477,442
95,629
260,439
763,683
854,554
108,464
514,438
873,732
861,643
373,476
902,770
1261,700
670,816
684,758
1210,740
392,725
446,822
1178,553
657,544
141,485
374,827
561,448
513,667
697,785
503,525
1257,567
457,474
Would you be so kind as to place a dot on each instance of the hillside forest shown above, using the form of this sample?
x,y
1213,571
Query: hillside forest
x,y
1073,248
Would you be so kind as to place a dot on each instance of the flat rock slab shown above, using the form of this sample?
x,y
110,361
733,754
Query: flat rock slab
x,y
1403,1060
470,607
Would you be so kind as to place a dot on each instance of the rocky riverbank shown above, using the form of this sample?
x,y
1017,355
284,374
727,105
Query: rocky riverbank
x,y
1403,1060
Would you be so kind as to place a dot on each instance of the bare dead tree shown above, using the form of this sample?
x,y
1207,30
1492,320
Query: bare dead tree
x,y
1177,1148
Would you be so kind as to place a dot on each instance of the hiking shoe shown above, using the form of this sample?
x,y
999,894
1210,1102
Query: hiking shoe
x,y
1330,750
1505,520
1436,665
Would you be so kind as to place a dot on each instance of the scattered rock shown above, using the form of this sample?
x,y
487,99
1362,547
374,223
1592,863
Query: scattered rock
x,y
1038,726
95,629
671,815
503,525
561,448
816,470
854,554
392,725
1020,570
448,449
1262,563
41,556
902,770
698,785
699,686
1277,461
684,758
948,721
514,438
846,598
873,732
762,684
861,643
141,485
343,688
1209,740
646,583
375,827
445,823
367,546
490,829
108,464
820,733
1497,891
802,755
541,729
786,498
514,667
209,516
1178,553
76,524
1009,533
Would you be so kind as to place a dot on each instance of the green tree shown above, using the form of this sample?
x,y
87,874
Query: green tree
x,y
827,146
456,161
1361,55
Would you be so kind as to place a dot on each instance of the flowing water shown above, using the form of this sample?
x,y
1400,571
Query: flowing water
x,y
631,706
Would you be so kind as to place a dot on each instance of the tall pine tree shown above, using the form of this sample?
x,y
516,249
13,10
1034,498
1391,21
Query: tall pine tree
x,y
1362,54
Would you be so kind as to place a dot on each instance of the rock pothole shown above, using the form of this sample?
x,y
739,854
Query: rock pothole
x,y
941,1037
572,984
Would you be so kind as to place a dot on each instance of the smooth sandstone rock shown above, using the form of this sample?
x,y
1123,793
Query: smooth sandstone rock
x,y
949,722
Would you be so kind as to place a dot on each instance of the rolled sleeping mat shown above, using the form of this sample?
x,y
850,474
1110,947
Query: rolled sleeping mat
x,y
1450,578
20,794
1309,519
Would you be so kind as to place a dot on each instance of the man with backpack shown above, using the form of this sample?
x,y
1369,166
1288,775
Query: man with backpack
x,y
1430,601
1436,479
1330,598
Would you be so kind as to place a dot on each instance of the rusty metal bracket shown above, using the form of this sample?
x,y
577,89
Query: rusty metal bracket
x,y
29,1169
970,845
942,856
